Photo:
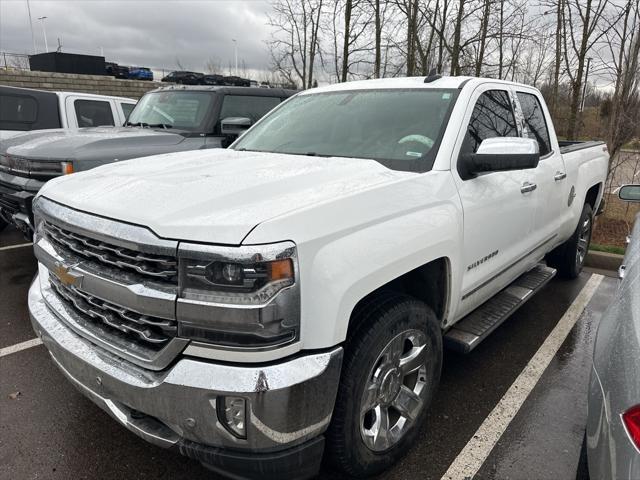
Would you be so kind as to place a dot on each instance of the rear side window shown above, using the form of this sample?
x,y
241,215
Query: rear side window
x,y
93,113
18,109
126,109
492,117
246,106
534,121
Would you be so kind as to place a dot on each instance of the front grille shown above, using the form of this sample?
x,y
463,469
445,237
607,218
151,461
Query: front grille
x,y
6,202
152,331
159,267
9,205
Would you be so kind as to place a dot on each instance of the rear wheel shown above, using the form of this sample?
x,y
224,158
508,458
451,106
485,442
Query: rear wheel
x,y
569,257
391,370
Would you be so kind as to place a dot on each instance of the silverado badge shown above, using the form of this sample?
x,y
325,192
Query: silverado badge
x,y
65,276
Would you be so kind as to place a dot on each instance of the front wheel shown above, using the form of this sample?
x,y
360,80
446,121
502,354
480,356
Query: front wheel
x,y
569,257
390,373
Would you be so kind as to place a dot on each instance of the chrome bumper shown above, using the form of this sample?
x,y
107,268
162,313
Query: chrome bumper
x,y
287,403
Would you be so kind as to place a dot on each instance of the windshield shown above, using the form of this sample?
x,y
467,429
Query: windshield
x,y
181,110
399,128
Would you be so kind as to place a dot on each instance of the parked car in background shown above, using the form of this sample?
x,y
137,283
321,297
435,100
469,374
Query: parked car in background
x,y
287,299
24,109
184,78
115,70
169,119
613,425
213,79
237,81
140,73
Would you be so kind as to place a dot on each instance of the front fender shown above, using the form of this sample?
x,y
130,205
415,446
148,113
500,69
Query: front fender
x,y
353,245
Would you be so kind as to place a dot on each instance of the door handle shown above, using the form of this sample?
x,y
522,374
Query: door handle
x,y
621,271
528,187
559,176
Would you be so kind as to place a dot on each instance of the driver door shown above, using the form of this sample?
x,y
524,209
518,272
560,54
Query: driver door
x,y
498,209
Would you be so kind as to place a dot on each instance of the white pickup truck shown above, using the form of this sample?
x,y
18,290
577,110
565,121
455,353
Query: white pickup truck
x,y
288,299
25,109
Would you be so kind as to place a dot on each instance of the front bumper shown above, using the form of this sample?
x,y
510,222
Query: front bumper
x,y
289,405
16,197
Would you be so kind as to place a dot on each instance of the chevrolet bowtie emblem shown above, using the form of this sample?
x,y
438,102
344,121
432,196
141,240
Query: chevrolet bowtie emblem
x,y
67,277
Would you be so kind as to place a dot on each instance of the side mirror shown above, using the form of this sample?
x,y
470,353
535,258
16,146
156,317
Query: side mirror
x,y
502,154
234,126
629,193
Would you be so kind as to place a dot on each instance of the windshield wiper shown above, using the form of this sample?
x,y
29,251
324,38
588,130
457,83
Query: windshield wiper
x,y
158,125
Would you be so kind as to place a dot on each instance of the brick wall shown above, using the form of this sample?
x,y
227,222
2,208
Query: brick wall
x,y
99,84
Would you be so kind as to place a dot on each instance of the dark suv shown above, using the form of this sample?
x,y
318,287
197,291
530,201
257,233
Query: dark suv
x,y
169,119
184,78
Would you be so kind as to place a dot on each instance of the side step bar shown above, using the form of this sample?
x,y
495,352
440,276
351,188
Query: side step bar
x,y
465,335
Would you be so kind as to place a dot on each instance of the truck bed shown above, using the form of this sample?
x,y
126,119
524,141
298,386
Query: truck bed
x,y
567,146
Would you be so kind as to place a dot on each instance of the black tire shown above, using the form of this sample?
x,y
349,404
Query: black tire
x,y
378,323
565,257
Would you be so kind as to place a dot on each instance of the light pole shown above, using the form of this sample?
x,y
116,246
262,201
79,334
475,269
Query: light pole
x,y
44,34
235,50
33,38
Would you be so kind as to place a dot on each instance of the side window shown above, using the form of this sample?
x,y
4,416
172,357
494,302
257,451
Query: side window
x,y
247,106
126,109
535,122
492,117
93,113
18,112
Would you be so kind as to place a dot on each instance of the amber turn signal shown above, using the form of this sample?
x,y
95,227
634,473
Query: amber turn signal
x,y
280,269
67,168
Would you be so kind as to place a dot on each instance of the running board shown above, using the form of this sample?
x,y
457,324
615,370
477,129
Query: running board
x,y
465,335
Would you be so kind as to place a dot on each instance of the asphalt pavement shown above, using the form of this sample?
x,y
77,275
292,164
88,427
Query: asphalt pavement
x,y
48,430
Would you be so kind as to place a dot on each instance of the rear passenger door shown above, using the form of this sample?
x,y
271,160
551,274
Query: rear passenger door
x,y
550,175
90,112
498,213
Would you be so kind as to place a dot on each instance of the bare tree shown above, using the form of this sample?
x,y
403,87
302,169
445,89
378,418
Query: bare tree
x,y
583,25
624,109
295,41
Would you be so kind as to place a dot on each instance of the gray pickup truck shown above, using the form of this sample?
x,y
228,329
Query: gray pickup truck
x,y
168,119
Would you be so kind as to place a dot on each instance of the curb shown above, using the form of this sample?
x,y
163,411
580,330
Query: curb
x,y
603,260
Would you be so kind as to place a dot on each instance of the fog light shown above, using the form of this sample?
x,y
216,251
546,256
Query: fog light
x,y
232,413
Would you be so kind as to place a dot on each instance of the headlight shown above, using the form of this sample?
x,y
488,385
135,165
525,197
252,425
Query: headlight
x,y
41,169
239,296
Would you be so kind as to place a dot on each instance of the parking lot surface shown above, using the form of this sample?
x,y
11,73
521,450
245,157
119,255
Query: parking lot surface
x,y
49,430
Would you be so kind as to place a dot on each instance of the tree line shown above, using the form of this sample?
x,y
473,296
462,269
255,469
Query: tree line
x,y
559,46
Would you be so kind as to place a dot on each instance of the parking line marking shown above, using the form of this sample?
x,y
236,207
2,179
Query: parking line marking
x,y
476,451
34,342
20,245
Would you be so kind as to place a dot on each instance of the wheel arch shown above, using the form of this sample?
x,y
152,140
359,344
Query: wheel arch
x,y
430,283
594,196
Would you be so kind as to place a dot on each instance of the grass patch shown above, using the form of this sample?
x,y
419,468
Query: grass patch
x,y
607,248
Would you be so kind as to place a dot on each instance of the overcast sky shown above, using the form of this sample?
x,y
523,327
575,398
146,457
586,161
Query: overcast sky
x,y
153,33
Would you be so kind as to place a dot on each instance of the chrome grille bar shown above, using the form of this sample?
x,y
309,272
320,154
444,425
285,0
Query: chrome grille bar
x,y
148,329
157,266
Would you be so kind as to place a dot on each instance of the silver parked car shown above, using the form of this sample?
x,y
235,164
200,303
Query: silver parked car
x,y
613,425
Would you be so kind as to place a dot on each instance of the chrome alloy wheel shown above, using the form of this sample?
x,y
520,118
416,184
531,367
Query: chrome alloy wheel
x,y
583,241
395,391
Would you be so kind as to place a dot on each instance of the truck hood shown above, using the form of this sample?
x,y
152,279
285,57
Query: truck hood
x,y
89,143
214,196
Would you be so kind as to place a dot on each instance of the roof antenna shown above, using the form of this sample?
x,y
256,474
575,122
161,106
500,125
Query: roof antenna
x,y
433,76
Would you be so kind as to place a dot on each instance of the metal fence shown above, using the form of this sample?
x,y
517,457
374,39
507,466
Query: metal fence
x,y
14,61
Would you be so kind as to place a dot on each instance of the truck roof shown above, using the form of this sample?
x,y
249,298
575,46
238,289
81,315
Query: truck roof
x,y
61,93
408,82
225,90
